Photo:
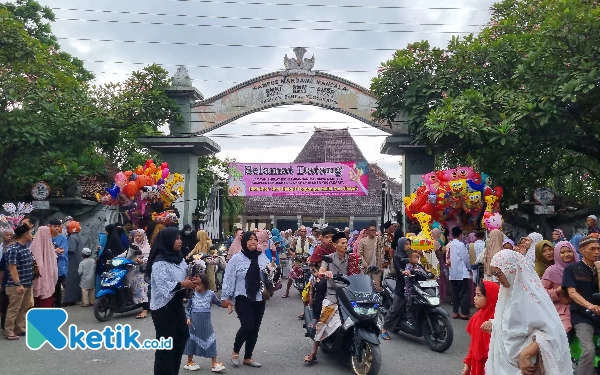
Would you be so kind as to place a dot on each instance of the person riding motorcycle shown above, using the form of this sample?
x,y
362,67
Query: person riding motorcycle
x,y
315,261
330,320
399,306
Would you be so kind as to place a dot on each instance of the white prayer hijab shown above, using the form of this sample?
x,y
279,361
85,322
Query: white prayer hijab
x,y
530,256
524,311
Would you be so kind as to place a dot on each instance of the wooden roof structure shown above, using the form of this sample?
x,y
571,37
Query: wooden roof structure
x,y
330,145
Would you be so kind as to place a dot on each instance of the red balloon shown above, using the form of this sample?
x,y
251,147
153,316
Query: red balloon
x,y
130,189
148,162
164,165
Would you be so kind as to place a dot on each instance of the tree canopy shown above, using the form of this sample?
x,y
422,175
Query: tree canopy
x,y
55,125
519,100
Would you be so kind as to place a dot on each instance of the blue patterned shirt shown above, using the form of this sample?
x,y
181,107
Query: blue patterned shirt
x,y
201,302
234,280
21,256
62,260
163,281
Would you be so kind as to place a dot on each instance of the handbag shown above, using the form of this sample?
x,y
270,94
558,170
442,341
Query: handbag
x,y
267,286
36,269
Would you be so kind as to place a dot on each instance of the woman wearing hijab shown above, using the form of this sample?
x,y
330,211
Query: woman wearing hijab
x,y
266,246
544,256
530,255
167,270
534,342
494,246
141,241
397,309
575,242
45,257
202,248
242,288
236,245
564,254
72,288
189,239
357,242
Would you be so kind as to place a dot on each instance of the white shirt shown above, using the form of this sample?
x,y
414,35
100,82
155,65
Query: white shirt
x,y
479,246
459,261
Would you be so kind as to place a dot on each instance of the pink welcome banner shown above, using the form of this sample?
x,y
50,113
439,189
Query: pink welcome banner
x,y
307,179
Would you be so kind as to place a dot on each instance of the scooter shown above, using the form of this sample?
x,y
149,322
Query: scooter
x,y
358,304
115,296
301,283
575,345
432,321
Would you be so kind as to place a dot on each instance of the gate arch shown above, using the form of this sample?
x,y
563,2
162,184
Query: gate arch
x,y
297,84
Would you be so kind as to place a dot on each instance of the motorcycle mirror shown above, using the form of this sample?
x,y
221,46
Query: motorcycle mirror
x,y
372,269
349,251
327,259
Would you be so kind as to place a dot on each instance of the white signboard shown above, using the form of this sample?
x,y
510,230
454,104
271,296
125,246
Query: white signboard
x,y
543,210
41,205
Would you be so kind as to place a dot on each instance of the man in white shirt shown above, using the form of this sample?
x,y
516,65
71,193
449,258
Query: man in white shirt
x,y
479,247
460,275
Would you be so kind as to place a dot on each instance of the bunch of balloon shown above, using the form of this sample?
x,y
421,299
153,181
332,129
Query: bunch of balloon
x,y
454,195
134,190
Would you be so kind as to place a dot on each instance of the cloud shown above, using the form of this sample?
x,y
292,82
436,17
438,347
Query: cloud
x,y
264,149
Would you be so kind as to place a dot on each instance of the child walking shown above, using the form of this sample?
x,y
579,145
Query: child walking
x,y
202,341
87,272
486,296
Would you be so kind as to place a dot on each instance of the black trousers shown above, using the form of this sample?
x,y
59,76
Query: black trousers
x,y
3,307
58,291
395,313
460,296
170,321
250,314
320,291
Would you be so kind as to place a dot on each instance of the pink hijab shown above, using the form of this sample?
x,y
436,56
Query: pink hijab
x,y
263,241
357,242
236,246
555,272
45,257
144,245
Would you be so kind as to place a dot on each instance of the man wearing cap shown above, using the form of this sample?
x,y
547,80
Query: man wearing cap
x,y
592,223
581,281
61,246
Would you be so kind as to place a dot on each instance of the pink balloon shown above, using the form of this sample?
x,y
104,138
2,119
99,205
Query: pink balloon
x,y
120,179
165,172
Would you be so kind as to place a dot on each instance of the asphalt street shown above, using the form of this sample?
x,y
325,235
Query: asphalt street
x,y
281,348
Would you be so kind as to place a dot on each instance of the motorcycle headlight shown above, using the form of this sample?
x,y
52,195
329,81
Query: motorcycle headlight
x,y
434,300
366,311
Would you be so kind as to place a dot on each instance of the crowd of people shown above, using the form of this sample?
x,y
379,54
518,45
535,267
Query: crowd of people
x,y
553,280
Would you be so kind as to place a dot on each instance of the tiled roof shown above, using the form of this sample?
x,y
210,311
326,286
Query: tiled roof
x,y
331,146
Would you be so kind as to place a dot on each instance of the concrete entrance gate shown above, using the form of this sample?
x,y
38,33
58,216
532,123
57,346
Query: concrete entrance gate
x,y
296,84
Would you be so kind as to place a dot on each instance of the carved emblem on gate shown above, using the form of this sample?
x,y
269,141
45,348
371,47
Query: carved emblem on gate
x,y
300,64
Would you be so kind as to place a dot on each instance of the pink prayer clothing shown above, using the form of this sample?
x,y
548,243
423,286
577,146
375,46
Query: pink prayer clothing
x,y
563,309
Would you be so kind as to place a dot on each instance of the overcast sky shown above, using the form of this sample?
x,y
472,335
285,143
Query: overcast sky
x,y
190,14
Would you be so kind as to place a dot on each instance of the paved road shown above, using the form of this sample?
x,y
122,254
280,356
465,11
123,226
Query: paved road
x,y
281,348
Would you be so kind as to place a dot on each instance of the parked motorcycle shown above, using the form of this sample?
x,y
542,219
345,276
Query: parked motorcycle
x,y
115,296
575,344
431,321
301,283
358,304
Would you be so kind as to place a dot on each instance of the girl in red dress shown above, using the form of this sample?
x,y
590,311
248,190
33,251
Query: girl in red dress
x,y
486,296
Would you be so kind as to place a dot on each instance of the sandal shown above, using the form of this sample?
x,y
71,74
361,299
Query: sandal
x,y
311,358
386,336
285,296
141,316
12,337
301,317
218,367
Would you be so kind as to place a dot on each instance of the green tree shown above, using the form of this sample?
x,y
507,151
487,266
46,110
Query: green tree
x,y
518,100
211,169
54,124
